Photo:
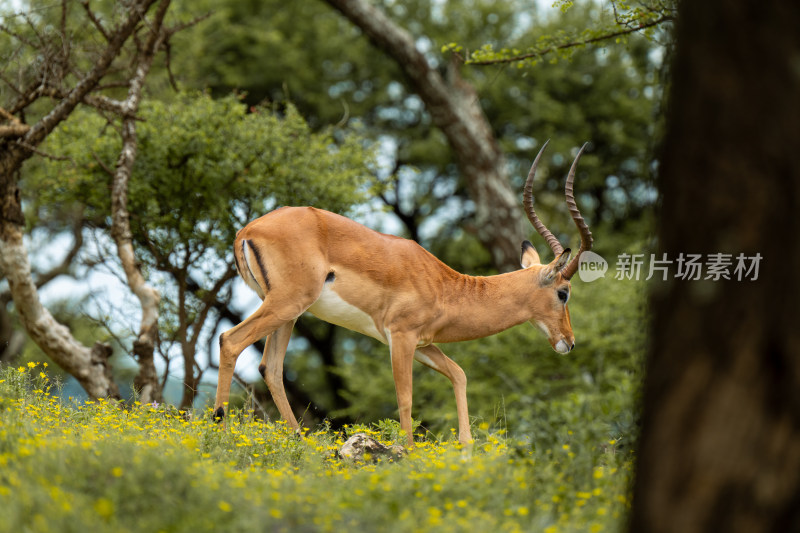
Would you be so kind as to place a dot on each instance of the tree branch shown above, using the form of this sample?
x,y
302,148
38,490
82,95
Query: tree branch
x,y
573,44
62,110
97,24
143,348
14,130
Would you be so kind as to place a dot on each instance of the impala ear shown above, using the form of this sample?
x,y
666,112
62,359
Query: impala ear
x,y
550,272
529,255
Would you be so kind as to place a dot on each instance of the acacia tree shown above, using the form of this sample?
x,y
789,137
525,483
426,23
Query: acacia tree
x,y
720,443
45,92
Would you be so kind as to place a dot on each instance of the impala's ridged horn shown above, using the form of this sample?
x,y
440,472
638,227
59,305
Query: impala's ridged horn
x,y
527,200
583,228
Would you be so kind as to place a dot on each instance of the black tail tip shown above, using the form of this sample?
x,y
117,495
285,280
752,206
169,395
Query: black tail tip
x,y
261,370
219,414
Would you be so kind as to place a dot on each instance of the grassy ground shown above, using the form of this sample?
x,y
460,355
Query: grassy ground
x,y
99,466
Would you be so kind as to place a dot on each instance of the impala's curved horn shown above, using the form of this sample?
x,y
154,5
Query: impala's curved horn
x,y
527,200
583,228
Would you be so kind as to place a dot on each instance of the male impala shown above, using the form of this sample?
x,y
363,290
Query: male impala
x,y
304,259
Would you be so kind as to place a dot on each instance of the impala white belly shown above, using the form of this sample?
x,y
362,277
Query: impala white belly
x,y
330,307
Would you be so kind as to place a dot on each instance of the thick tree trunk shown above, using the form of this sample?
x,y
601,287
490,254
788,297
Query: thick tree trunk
x,y
191,380
720,444
11,340
89,365
11,157
455,109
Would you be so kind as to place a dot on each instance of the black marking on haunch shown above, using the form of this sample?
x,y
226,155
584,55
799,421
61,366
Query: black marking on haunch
x,y
330,277
261,266
236,260
262,370
219,414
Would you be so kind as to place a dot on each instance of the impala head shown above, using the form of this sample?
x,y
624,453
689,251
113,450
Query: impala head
x,y
551,314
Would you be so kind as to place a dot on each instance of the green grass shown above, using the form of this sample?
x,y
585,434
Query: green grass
x,y
100,466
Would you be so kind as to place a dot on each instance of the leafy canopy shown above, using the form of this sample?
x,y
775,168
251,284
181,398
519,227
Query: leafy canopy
x,y
204,168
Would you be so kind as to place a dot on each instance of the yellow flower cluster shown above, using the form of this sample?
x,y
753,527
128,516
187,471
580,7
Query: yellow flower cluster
x,y
103,465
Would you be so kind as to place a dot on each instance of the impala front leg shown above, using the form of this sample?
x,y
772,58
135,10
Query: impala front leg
x,y
431,356
402,351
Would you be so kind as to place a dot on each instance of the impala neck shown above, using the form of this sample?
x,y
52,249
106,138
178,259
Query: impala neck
x,y
481,306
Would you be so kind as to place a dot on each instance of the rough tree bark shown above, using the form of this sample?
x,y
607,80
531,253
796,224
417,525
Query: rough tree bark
x,y
455,109
88,365
720,443
12,341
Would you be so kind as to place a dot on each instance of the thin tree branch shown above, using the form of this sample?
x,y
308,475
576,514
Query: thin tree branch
x,y
573,44
42,153
62,110
208,300
97,24
14,130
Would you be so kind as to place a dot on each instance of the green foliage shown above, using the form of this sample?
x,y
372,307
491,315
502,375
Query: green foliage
x,y
274,51
100,466
204,168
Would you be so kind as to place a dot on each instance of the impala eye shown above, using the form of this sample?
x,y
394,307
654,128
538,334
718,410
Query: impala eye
x,y
563,296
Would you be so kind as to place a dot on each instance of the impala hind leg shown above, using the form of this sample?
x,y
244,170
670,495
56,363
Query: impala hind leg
x,y
263,322
271,369
431,356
